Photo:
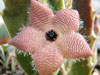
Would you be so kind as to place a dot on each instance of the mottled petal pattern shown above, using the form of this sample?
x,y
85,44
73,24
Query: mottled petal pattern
x,y
66,20
39,14
73,45
28,39
48,56
48,59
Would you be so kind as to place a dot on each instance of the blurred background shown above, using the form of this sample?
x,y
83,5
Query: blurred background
x,y
7,52
8,62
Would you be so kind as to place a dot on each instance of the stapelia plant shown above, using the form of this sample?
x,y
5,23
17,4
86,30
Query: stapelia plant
x,y
51,38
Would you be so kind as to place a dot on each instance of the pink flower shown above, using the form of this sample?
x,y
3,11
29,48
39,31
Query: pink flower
x,y
51,38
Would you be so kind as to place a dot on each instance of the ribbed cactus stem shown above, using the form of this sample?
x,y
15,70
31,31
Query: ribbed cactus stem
x,y
62,4
68,3
15,17
56,4
96,26
87,16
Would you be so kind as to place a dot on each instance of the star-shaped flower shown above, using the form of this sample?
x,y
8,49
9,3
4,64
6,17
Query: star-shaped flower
x,y
51,38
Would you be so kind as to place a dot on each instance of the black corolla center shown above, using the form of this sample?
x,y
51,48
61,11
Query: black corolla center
x,y
51,35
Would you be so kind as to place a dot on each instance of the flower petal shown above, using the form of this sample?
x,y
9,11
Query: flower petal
x,y
66,19
48,59
29,39
39,14
74,46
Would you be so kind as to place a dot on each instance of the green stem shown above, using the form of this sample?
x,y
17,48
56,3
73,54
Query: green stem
x,y
62,4
15,20
56,73
56,4
3,64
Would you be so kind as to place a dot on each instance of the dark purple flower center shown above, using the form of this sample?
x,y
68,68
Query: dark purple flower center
x,y
51,35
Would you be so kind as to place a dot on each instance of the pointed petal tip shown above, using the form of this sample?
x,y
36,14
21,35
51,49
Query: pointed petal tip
x,y
10,42
74,46
86,54
39,14
90,53
48,59
67,19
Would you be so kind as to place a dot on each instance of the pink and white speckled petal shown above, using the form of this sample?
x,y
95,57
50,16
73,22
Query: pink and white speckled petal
x,y
66,20
39,14
29,39
74,46
48,59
